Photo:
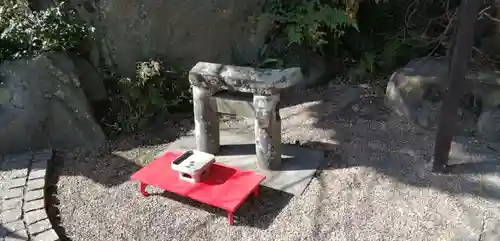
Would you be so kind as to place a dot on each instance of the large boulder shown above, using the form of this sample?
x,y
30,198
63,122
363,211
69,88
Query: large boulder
x,y
408,86
43,105
91,80
416,91
488,125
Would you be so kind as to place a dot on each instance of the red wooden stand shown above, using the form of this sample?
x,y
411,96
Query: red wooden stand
x,y
226,187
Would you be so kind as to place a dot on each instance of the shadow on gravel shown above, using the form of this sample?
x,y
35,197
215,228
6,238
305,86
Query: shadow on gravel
x,y
482,167
9,234
258,212
103,166
399,162
52,202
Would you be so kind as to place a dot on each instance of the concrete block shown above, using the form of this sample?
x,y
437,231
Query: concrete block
x,y
34,195
35,216
49,235
34,205
39,227
11,215
35,184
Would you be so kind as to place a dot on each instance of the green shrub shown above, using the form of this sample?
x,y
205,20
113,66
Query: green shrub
x,y
24,33
154,93
309,22
370,38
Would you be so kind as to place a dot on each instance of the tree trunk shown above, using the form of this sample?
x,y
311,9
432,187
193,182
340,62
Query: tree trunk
x,y
458,66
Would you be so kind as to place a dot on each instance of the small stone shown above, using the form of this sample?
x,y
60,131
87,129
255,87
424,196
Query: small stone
x,y
35,216
34,195
12,203
49,235
39,227
11,215
36,174
36,184
34,205
13,193
13,226
17,182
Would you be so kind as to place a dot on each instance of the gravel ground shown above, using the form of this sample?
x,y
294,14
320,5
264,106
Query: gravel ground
x,y
373,186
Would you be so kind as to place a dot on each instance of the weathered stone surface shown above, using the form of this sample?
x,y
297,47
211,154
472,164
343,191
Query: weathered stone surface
x,y
488,125
12,203
264,85
49,235
491,230
35,184
22,198
13,193
37,174
267,132
19,235
17,183
181,30
407,86
243,79
33,195
206,121
34,216
416,90
39,226
14,226
486,86
249,51
11,215
47,107
34,205
19,173
239,104
298,164
91,81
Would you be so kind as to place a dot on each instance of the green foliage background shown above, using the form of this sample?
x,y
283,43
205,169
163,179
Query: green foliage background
x,y
24,33
370,37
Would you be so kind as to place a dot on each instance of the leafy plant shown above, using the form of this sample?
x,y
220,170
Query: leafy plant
x,y
24,33
310,22
152,94
386,39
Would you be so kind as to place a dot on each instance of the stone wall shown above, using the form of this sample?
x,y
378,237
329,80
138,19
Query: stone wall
x,y
179,31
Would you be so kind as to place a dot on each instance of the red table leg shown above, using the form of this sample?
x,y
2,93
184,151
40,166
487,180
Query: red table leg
x,y
230,217
143,189
256,191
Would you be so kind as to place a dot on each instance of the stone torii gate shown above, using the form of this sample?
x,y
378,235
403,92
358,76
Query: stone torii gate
x,y
461,52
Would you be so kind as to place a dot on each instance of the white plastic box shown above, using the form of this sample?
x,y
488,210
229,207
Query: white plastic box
x,y
193,165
